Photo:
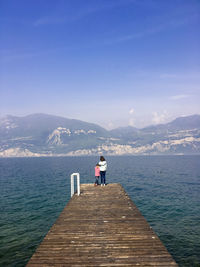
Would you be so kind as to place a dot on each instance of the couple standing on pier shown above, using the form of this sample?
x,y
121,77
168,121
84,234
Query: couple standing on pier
x,y
100,170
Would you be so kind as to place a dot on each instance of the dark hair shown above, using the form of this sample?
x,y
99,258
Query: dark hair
x,y
97,164
102,158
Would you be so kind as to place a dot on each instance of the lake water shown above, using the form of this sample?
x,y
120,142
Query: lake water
x,y
166,189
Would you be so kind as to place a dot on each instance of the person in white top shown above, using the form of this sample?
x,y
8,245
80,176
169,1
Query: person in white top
x,y
103,168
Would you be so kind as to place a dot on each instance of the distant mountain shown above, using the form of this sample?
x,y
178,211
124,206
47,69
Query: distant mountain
x,y
47,135
185,123
181,123
43,123
127,133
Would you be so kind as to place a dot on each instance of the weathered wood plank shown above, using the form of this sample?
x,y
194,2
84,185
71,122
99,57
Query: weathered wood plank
x,y
101,227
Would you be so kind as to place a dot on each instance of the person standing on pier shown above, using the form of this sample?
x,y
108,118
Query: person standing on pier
x,y
103,168
97,175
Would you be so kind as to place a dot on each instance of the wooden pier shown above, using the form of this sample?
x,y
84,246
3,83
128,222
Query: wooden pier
x,y
101,227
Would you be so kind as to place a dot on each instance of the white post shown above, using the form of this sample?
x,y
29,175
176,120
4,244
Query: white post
x,y
78,184
72,183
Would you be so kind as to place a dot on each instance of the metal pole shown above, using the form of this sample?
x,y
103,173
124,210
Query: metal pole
x,y
72,184
78,184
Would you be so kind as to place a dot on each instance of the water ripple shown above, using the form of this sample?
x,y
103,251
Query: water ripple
x,y
33,192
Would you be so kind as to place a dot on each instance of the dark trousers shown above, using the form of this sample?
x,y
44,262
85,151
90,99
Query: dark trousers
x,y
96,180
103,177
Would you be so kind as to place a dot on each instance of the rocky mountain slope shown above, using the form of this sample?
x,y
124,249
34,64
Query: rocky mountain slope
x,y
47,135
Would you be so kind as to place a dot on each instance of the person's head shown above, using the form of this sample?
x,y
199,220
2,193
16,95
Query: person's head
x,y
97,165
102,158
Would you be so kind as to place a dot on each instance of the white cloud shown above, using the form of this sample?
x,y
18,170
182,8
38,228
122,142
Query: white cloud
x,y
110,125
176,97
167,23
81,13
131,122
49,20
131,111
159,118
167,75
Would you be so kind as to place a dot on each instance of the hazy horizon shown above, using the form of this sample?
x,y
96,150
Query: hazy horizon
x,y
89,121
110,62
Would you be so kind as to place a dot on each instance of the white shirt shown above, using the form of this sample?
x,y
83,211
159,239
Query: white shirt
x,y
103,165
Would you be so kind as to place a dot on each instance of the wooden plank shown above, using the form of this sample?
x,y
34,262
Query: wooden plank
x,y
101,227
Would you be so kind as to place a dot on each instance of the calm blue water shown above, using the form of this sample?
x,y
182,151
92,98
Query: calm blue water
x,y
33,192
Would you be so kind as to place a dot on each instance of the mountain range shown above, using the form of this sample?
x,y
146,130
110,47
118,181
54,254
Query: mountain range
x,y
47,135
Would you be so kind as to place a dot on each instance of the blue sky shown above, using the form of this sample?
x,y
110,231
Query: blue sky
x,y
111,62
